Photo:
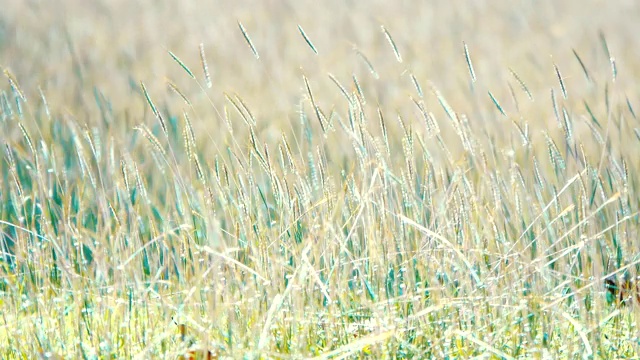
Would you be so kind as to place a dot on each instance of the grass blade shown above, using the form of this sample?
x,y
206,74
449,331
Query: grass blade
x,y
248,40
306,38
392,43
469,64
313,103
522,84
183,65
562,87
154,109
205,67
584,68
496,103
372,70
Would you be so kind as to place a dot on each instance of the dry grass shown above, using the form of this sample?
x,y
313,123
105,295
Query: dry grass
x,y
318,179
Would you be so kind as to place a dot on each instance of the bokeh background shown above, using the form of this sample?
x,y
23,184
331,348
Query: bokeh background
x,y
69,47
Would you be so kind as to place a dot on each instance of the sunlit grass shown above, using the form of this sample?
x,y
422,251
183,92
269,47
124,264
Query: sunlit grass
x,y
291,190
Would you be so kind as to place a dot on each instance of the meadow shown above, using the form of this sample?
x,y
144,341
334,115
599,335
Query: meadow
x,y
328,180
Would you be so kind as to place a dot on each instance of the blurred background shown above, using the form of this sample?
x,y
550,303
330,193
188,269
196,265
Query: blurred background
x,y
69,47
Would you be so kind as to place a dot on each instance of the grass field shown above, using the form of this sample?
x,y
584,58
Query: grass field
x,y
331,180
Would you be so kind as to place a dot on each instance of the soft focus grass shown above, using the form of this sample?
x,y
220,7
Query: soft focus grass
x,y
371,179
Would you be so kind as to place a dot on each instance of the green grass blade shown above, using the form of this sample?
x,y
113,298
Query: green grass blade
x,y
183,65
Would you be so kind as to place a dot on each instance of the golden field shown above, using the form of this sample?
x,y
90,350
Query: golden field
x,y
333,179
